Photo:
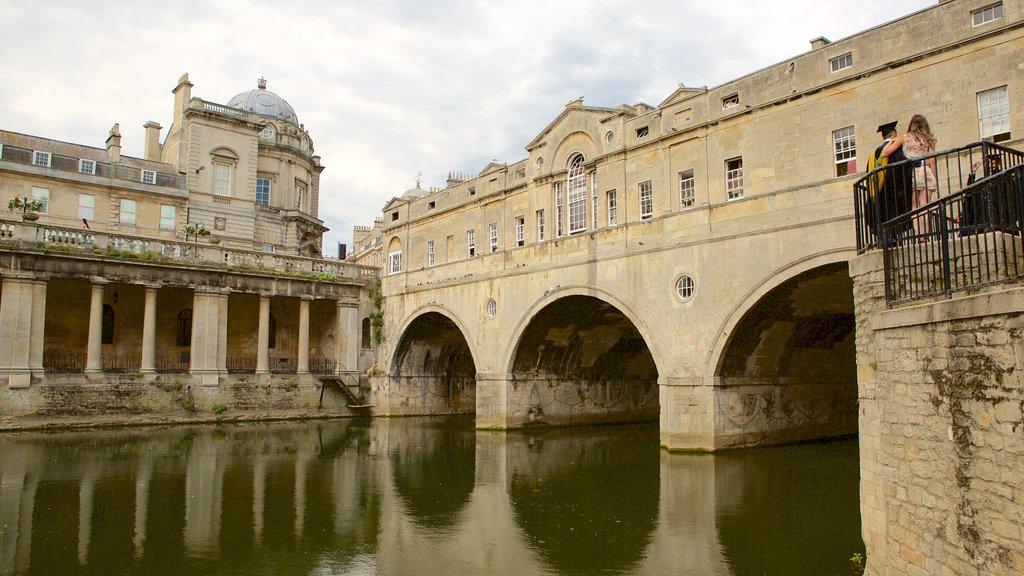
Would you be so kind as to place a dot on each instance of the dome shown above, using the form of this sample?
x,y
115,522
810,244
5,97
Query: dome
x,y
265,102
414,193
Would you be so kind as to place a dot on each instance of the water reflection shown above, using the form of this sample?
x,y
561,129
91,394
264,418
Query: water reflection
x,y
413,496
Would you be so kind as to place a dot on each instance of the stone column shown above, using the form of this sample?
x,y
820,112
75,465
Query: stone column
x,y
94,351
347,329
263,337
303,367
149,332
18,316
209,336
687,419
492,401
35,353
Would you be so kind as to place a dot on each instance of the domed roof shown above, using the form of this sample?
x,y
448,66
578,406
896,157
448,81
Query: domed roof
x,y
413,193
265,102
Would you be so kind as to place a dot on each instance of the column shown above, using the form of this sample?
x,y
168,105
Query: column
x,y
263,337
17,311
209,336
149,332
94,351
303,367
348,337
35,353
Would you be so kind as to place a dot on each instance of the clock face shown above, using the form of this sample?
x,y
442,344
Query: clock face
x,y
267,133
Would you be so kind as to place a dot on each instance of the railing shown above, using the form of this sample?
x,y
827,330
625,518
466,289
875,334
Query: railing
x,y
120,363
964,240
888,192
59,362
73,240
179,363
221,109
323,365
284,365
241,364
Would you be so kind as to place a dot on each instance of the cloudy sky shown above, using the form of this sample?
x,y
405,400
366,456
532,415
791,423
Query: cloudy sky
x,y
390,88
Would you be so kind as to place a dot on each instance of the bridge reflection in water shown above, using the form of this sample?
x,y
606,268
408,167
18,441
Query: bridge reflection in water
x,y
416,496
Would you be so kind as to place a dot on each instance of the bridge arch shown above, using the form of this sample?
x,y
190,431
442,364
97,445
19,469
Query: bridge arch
x,y
784,360
580,356
433,367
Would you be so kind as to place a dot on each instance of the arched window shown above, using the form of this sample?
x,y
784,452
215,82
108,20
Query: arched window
x,y
365,334
272,341
184,335
107,334
576,194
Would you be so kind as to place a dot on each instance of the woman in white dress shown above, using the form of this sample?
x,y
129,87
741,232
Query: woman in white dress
x,y
917,143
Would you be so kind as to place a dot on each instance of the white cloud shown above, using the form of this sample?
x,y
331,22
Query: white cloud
x,y
394,87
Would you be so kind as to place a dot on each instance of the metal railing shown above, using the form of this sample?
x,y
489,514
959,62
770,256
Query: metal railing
x,y
323,365
887,193
284,364
121,363
179,363
241,364
964,240
61,362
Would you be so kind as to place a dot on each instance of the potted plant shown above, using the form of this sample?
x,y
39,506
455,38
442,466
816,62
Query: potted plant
x,y
195,230
28,206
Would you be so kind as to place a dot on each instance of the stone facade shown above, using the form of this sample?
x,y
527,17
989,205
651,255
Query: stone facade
x,y
941,396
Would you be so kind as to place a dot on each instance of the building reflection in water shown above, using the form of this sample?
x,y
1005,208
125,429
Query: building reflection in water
x,y
416,496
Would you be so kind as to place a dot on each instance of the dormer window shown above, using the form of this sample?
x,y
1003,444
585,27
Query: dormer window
x,y
41,158
87,166
730,101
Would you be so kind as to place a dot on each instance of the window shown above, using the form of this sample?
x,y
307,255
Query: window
x,y
300,196
394,216
272,337
593,202
646,200
431,206
559,213
430,252
494,236
985,15
395,262
184,331
492,308
42,195
576,184
686,190
267,133
41,158
612,207
520,230
148,177
840,62
471,243
267,248
472,191
365,334
734,178
730,101
87,166
845,147
107,326
127,212
86,206
221,179
642,132
540,225
994,114
685,287
263,191
167,217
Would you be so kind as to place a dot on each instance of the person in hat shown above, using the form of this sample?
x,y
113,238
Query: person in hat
x,y
889,187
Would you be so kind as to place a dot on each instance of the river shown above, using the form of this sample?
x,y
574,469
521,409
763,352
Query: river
x,y
415,496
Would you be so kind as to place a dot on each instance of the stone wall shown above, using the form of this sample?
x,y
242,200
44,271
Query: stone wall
x,y
941,429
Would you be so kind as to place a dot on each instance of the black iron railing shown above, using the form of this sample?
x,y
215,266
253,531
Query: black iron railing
x,y
121,363
323,365
284,364
59,362
968,239
173,363
241,364
887,193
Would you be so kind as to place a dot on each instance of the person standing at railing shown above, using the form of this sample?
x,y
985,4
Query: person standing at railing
x,y
918,143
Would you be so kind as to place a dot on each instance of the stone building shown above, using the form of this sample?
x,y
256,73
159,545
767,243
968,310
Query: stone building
x,y
200,262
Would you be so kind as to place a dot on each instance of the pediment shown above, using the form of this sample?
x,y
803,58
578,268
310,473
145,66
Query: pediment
x,y
682,93
574,109
493,166
394,202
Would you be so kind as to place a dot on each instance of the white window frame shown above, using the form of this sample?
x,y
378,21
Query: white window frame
x,y
646,190
559,211
86,166
147,176
394,262
221,179
576,187
520,230
687,190
994,112
168,214
734,179
430,252
613,207
123,210
38,155
643,132
269,186
841,62
42,195
593,191
987,14
300,197
844,148
471,243
731,101
493,233
86,206
540,225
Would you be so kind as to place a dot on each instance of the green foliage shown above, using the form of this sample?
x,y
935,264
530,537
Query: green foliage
x,y
195,230
187,404
325,276
26,205
218,408
857,562
377,316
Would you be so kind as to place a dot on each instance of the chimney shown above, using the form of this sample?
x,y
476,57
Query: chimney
x,y
342,252
114,143
819,42
152,140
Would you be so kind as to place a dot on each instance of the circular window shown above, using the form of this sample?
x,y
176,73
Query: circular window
x,y
609,136
540,161
685,287
267,133
492,308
